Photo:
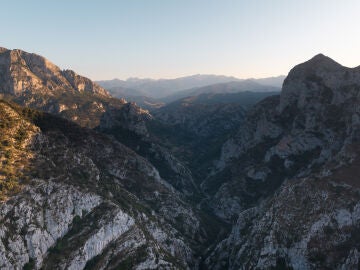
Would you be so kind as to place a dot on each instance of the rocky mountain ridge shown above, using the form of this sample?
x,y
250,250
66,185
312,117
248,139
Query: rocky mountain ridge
x,y
159,191
159,89
303,146
162,87
22,72
74,203
248,85
33,81
94,109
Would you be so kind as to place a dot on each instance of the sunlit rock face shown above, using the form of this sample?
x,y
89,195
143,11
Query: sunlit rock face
x,y
22,72
33,81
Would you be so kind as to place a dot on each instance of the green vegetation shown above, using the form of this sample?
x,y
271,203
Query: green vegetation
x,y
59,246
281,264
15,133
29,265
83,108
133,259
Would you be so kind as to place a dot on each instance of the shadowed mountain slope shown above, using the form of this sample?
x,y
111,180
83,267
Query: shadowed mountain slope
x,y
292,179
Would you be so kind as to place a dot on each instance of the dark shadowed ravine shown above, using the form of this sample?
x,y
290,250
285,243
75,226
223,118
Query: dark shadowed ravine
x,y
243,178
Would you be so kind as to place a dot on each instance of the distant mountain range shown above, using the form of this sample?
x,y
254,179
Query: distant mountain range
x,y
166,87
223,88
245,99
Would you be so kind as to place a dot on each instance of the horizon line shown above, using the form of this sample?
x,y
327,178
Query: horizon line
x,y
193,75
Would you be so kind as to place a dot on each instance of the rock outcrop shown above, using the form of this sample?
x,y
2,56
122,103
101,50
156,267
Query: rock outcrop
x,y
142,191
23,72
82,194
293,172
33,81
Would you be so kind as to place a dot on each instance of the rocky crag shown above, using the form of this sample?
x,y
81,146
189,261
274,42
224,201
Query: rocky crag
x,y
33,81
159,191
83,200
292,173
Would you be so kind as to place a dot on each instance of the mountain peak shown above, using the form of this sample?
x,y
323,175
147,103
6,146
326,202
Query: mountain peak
x,y
24,72
323,60
320,56
2,49
306,81
319,62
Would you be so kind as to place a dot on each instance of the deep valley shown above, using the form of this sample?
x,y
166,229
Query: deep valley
x,y
237,174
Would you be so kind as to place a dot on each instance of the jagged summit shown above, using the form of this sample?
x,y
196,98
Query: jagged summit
x,y
33,81
28,72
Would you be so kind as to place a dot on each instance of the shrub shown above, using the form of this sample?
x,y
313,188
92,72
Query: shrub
x,y
29,265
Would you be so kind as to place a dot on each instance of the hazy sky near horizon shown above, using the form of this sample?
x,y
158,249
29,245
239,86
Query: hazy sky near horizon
x,y
108,39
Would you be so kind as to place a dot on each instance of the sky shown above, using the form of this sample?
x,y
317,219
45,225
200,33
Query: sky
x,y
106,39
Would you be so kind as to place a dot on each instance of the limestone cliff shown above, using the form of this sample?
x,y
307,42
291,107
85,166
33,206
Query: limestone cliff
x,y
81,194
292,172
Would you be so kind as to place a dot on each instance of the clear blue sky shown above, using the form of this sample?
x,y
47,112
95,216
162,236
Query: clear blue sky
x,y
107,39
